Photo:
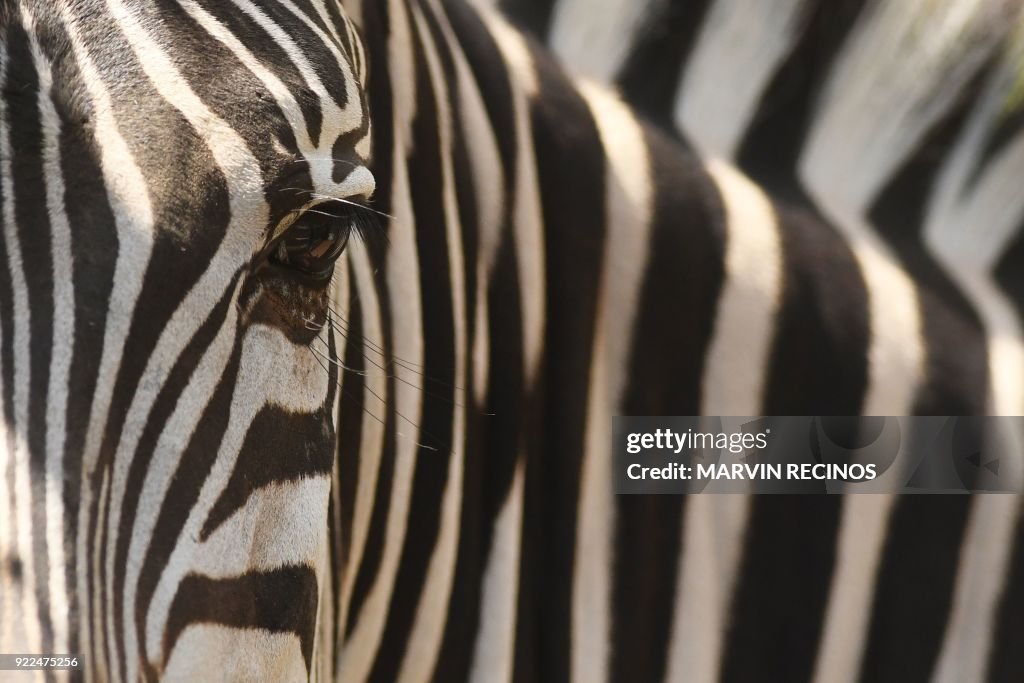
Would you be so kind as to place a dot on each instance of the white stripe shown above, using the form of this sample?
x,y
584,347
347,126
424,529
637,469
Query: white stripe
x,y
733,384
252,655
527,215
628,213
294,53
349,14
494,649
899,72
407,332
489,186
494,646
337,122
278,526
712,549
331,42
594,41
741,43
62,345
1005,341
328,603
272,371
896,349
100,665
354,10
359,181
862,533
372,430
980,580
324,644
424,641
744,329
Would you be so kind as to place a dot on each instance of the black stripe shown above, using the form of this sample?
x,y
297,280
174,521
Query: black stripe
x,y
34,236
571,177
776,134
671,333
1009,123
1009,126
433,456
282,600
351,406
309,439
243,102
819,352
89,645
493,439
819,355
183,492
530,15
343,152
317,53
315,50
650,76
647,544
682,284
271,56
338,540
185,195
914,590
306,8
376,26
476,512
163,408
778,607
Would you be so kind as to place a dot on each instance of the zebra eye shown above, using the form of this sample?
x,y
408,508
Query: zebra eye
x,y
313,244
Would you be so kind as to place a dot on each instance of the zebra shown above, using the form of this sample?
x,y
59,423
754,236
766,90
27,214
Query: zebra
x,y
898,122
312,320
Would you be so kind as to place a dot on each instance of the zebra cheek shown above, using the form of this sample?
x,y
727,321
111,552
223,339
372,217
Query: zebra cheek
x,y
278,299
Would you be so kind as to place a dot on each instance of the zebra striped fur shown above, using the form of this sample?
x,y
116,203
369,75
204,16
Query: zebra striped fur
x,y
418,487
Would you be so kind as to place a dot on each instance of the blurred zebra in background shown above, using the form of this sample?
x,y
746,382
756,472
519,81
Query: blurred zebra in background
x,y
313,317
900,126
900,123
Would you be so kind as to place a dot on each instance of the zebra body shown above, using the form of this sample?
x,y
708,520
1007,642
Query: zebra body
x,y
215,466
899,122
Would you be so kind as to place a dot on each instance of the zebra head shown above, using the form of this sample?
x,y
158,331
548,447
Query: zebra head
x,y
179,179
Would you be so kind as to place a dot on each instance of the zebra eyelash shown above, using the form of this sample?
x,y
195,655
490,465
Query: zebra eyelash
x,y
364,222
